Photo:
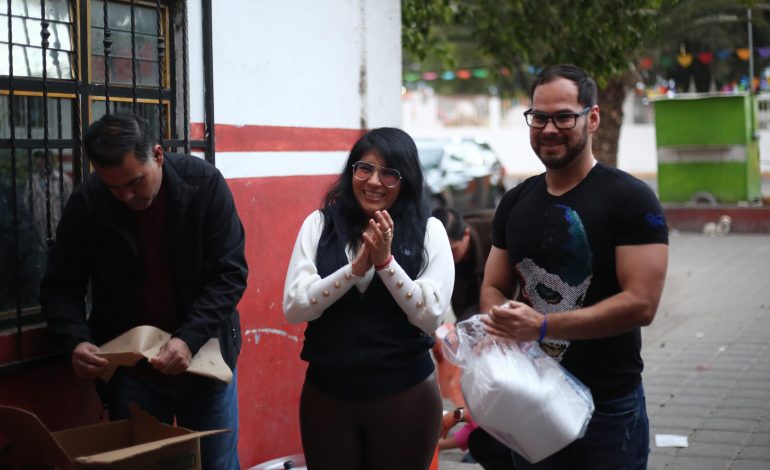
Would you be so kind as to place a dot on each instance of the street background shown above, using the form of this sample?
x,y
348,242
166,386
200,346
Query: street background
x,y
707,356
508,135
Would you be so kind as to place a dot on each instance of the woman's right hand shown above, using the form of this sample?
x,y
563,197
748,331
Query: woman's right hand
x,y
362,262
378,236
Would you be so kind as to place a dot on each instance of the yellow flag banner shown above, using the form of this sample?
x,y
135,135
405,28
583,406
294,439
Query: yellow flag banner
x,y
685,60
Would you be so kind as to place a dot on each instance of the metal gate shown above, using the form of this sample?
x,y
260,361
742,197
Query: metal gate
x,y
63,64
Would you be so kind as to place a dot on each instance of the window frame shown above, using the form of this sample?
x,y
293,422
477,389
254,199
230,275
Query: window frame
x,y
84,94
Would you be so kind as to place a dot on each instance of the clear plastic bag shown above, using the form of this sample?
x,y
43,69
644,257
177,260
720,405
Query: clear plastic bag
x,y
518,393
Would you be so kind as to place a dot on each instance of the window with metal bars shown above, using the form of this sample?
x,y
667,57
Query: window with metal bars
x,y
63,64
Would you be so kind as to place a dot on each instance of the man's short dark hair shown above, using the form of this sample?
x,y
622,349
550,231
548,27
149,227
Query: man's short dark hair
x,y
585,84
453,222
110,138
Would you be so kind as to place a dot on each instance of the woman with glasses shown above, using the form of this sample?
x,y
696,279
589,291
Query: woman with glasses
x,y
371,274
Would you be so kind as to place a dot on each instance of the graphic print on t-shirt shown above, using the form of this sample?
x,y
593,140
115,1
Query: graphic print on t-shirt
x,y
562,281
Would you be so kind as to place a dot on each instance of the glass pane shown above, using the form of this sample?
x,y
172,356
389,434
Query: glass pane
x,y
60,36
27,32
20,63
27,55
28,117
25,8
54,9
34,204
59,65
147,73
22,269
146,21
147,47
145,43
121,44
149,111
28,62
119,17
120,71
97,41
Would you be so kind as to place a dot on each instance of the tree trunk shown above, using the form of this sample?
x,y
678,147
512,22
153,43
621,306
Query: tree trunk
x,y
611,97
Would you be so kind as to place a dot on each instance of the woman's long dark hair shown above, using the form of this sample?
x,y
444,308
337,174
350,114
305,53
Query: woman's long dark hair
x,y
409,212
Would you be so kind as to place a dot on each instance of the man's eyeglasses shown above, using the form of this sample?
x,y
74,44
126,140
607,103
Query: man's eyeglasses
x,y
362,171
562,121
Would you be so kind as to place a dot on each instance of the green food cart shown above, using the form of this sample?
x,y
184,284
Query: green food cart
x,y
708,150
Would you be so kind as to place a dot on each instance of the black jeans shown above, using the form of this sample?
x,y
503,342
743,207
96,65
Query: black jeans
x,y
617,438
488,452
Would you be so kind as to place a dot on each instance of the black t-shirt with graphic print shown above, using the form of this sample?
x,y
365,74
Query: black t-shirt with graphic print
x,y
562,250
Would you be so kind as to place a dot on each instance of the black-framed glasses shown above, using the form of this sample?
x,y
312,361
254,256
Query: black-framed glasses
x,y
562,121
362,171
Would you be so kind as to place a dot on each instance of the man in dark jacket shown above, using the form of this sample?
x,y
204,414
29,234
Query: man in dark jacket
x,y
159,239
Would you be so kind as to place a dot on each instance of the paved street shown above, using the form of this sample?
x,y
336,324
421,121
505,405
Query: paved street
x,y
707,357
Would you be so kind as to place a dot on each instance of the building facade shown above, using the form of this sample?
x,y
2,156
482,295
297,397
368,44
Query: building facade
x,y
273,93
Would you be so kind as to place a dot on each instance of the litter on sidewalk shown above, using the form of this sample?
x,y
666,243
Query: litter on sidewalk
x,y
670,440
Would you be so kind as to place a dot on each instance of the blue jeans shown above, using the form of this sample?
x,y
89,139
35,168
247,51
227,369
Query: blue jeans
x,y
617,438
197,403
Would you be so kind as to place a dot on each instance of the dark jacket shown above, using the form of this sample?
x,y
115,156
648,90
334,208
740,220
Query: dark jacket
x,y
95,241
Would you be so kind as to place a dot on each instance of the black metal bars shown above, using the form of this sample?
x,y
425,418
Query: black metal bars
x,y
48,109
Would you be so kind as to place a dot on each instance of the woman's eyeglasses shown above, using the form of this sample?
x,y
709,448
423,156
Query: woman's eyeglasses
x,y
362,171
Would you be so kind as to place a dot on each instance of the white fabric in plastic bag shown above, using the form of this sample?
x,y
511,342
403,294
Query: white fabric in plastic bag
x,y
518,393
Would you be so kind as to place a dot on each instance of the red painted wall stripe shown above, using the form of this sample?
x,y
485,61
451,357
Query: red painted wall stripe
x,y
270,371
231,138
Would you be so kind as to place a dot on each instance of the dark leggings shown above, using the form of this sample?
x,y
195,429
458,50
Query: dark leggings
x,y
396,432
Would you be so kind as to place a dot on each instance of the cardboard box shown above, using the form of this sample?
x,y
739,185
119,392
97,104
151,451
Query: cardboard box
x,y
141,442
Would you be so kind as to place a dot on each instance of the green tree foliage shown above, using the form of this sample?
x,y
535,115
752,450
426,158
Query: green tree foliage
x,y
693,26
605,37
598,35
601,36
422,25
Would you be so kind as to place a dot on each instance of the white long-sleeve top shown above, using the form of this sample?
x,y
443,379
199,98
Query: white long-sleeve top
x,y
423,300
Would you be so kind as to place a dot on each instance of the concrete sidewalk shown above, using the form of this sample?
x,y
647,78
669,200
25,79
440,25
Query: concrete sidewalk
x,y
707,357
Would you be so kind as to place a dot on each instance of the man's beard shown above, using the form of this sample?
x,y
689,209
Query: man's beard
x,y
554,162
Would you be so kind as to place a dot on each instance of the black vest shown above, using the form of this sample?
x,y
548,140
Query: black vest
x,y
363,346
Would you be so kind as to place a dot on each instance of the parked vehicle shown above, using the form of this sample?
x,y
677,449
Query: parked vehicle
x,y
461,173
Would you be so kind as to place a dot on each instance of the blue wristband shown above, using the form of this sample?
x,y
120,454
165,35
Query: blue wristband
x,y
543,327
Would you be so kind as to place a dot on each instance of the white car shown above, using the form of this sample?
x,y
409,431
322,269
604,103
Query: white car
x,y
461,173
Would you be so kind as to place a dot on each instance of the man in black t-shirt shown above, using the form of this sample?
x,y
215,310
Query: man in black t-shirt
x,y
587,245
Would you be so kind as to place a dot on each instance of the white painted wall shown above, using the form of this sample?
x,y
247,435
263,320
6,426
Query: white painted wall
x,y
298,63
195,60
264,164
301,63
637,152
382,56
